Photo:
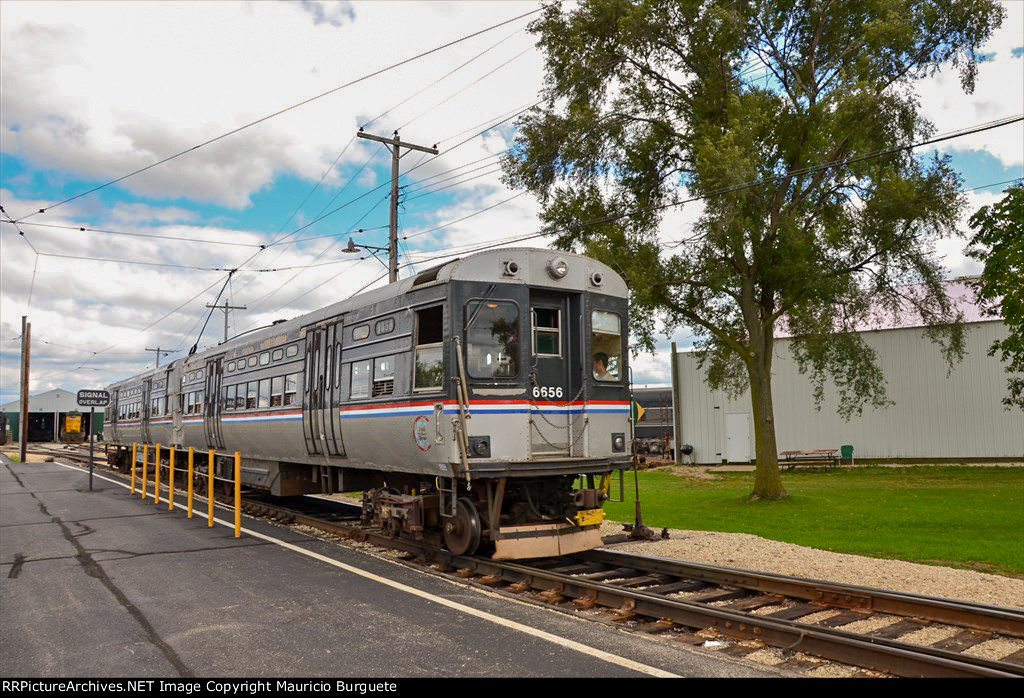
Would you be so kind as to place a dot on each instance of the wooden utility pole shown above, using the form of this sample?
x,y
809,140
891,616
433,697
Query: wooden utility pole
x,y
395,145
26,348
226,308
158,351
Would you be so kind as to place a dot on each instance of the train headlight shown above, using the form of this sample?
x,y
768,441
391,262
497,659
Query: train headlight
x,y
480,447
618,442
558,268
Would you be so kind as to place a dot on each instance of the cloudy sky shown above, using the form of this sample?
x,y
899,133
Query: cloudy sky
x,y
92,91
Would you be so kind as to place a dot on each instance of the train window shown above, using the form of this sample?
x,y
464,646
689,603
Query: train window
x,y
192,375
606,345
361,332
199,375
264,358
384,376
292,350
252,361
231,366
277,391
264,399
200,396
546,337
278,354
384,326
360,386
190,403
291,387
492,339
429,369
252,390
337,365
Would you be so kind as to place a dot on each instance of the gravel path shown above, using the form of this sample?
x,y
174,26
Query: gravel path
x,y
762,555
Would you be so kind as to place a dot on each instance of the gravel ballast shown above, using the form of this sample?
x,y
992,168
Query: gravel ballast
x,y
758,554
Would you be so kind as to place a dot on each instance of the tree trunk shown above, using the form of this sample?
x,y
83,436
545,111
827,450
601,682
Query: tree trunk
x,y
767,479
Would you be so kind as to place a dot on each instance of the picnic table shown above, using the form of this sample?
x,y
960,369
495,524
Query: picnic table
x,y
829,457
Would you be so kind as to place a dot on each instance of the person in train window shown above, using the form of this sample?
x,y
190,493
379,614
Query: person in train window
x,y
601,367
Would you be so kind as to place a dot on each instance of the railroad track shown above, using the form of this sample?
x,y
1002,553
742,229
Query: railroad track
x,y
696,604
737,610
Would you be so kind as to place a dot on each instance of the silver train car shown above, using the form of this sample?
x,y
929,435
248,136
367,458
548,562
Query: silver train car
x,y
485,401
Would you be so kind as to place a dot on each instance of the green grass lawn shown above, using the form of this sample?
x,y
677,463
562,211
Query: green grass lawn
x,y
955,516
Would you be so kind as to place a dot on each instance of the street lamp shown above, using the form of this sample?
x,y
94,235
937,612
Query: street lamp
x,y
353,247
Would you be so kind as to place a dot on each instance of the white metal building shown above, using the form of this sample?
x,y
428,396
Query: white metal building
x,y
934,415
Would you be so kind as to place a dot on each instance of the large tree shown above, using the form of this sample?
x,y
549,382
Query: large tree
x,y
790,120
999,243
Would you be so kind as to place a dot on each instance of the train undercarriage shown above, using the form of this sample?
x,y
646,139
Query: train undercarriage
x,y
507,517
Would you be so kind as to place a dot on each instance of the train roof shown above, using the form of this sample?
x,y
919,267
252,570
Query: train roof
x,y
516,265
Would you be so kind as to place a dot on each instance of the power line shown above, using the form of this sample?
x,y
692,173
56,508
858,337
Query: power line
x,y
286,109
86,229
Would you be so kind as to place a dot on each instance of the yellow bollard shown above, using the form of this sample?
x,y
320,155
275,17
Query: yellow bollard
x,y
145,468
134,454
209,493
191,453
238,494
170,483
156,476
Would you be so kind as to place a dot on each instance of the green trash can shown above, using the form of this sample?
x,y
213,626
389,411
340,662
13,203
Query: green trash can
x,y
846,453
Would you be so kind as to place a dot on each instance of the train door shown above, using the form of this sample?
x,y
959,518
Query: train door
x,y
147,390
321,394
551,389
213,403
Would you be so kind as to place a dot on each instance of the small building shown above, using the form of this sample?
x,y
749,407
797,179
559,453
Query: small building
x,y
936,412
47,415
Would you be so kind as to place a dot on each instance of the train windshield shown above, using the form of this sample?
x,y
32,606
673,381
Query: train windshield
x,y
492,339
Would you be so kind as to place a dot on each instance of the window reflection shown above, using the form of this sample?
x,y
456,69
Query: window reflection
x,y
492,339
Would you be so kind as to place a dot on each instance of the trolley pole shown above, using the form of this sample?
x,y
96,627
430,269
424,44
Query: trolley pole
x,y
395,145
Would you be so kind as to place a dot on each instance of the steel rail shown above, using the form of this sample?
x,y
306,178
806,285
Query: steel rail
x,y
992,618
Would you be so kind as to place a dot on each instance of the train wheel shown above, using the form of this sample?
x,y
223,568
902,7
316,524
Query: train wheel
x,y
462,531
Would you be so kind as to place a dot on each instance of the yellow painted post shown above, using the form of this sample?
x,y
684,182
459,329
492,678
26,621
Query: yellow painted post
x,y
238,494
156,476
191,454
209,493
134,454
145,468
170,483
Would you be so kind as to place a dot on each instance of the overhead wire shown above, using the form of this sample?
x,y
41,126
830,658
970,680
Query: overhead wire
x,y
285,110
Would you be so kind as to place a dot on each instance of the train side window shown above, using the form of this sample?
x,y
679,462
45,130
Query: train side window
x,y
360,332
384,376
429,368
190,403
277,391
231,366
265,358
606,345
360,386
278,354
384,326
292,350
252,361
291,388
492,339
252,390
546,332
200,397
264,395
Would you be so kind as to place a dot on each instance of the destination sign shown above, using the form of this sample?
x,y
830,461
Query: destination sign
x,y
93,398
